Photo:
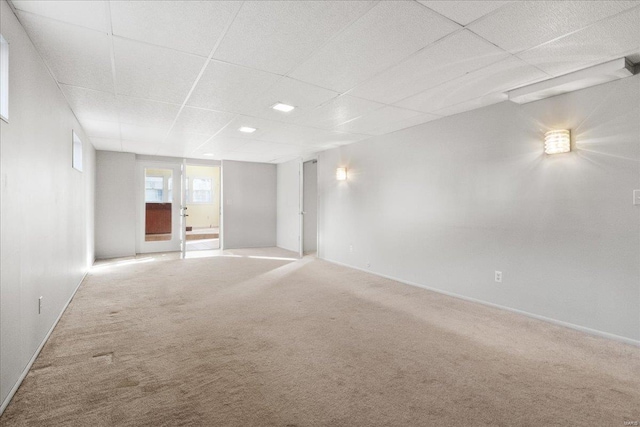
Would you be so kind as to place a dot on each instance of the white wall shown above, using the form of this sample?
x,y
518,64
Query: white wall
x,y
288,205
46,210
115,204
249,197
447,203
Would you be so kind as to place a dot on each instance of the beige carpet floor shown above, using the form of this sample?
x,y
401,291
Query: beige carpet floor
x,y
250,340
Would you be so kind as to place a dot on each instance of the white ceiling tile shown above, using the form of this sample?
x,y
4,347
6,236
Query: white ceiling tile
x,y
277,35
153,72
371,122
248,157
222,144
100,129
141,147
338,111
202,121
495,78
451,57
405,123
322,139
172,151
141,134
304,96
267,130
230,87
483,101
88,14
187,140
613,38
463,12
143,112
273,149
106,144
388,33
522,25
77,56
91,104
165,23
286,159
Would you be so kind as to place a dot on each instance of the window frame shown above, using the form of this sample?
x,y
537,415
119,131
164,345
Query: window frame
x,y
189,189
4,79
164,184
77,149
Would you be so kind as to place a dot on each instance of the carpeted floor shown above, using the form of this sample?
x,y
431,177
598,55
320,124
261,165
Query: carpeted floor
x,y
258,341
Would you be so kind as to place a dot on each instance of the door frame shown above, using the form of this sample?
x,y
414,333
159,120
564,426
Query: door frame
x,y
185,211
173,245
302,207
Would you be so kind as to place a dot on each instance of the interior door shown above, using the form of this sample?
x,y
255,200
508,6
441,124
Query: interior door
x,y
184,213
159,222
310,206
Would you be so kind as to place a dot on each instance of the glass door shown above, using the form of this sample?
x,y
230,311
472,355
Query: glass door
x,y
159,205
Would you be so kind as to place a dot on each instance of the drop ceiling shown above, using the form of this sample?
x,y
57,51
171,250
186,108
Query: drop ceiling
x,y
179,78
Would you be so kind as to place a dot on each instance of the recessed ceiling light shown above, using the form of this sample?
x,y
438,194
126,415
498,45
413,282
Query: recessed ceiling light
x,y
282,107
247,129
208,154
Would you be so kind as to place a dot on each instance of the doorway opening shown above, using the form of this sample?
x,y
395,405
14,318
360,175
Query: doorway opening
x,y
310,207
202,207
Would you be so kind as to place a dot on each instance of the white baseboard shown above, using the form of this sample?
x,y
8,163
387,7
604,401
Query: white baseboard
x,y
16,386
502,307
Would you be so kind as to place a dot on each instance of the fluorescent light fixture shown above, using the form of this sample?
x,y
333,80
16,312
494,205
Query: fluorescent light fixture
x,y
557,141
247,129
208,154
341,174
602,73
282,107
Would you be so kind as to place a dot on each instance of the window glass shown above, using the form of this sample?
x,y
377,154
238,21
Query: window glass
x,y
4,79
153,189
76,149
201,192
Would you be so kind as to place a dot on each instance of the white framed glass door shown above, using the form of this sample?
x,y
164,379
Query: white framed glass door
x,y
159,225
184,212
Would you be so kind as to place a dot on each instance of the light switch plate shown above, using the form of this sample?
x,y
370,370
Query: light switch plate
x,y
636,197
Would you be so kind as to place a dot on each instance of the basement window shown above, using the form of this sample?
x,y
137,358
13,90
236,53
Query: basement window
x,y
201,190
76,148
4,79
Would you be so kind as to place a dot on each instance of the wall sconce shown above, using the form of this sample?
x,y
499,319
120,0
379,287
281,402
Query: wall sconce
x,y
557,141
341,174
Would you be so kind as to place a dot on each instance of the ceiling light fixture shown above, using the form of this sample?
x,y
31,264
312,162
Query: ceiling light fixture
x,y
285,108
602,73
341,174
247,129
557,141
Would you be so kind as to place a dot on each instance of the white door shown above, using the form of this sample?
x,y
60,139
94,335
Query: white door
x,y
310,206
159,225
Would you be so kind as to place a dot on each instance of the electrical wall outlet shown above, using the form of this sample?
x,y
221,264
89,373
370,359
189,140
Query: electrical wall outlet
x,y
350,249
498,276
368,264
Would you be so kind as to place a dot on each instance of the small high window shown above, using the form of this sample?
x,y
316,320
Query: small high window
x,y
4,79
76,148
